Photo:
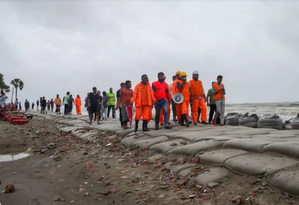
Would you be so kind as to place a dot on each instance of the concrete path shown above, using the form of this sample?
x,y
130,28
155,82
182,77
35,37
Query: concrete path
x,y
259,152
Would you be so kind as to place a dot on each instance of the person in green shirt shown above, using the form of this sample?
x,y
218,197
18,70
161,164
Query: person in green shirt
x,y
66,103
111,103
211,103
27,105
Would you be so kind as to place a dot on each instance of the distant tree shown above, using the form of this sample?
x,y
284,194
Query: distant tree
x,y
17,83
4,89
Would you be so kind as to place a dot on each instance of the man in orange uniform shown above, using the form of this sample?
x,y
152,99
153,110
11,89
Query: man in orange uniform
x,y
161,92
219,96
184,89
175,89
144,99
198,100
78,105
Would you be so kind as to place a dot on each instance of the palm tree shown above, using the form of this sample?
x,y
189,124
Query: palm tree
x,y
3,87
17,83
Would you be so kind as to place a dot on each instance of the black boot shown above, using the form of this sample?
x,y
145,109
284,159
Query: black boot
x,y
144,126
136,125
182,120
186,120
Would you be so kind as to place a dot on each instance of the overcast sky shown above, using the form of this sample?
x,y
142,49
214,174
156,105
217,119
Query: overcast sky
x,y
62,46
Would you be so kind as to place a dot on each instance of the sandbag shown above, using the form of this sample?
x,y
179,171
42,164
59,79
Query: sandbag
x,y
259,164
295,123
249,120
251,144
290,148
233,120
270,121
228,115
147,143
211,175
286,180
164,147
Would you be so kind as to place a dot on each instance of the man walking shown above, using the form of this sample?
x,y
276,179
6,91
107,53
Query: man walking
x,y
198,100
172,102
32,106
118,102
111,102
161,92
212,105
175,89
78,105
66,103
27,105
93,103
219,96
126,94
52,104
57,104
144,99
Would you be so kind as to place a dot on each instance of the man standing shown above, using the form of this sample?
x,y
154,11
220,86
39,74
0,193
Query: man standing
x,y
93,103
37,104
144,99
27,105
198,100
184,89
219,96
32,106
161,92
175,89
118,103
43,105
172,102
66,103
52,104
212,105
78,105
57,104
71,102
111,102
126,113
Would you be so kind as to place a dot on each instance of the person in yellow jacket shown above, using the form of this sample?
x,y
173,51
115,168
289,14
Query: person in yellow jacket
x,y
144,99
57,102
111,102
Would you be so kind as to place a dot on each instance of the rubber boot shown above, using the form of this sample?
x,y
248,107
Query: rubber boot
x,y
182,121
136,125
186,120
144,126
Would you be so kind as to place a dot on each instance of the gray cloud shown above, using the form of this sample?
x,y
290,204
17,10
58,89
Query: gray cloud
x,y
59,46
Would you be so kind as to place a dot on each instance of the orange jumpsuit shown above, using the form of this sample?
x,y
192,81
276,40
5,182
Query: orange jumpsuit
x,y
144,99
185,91
78,105
178,107
198,93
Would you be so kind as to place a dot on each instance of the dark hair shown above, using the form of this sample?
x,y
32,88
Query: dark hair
x,y
94,88
161,73
143,76
67,92
104,93
122,83
127,82
219,76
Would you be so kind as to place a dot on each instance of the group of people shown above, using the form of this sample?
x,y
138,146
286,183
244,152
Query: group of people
x,y
180,95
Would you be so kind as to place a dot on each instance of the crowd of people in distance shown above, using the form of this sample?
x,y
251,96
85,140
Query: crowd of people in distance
x,y
179,97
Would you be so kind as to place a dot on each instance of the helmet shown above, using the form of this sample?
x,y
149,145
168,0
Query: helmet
x,y
195,72
178,73
183,74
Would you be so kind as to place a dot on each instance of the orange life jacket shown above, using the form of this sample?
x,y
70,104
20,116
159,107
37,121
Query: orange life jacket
x,y
197,88
220,94
160,90
137,95
175,89
185,91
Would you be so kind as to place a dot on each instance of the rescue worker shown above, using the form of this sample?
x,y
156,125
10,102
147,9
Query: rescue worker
x,y
78,105
175,89
162,95
168,107
219,96
199,99
172,102
184,89
144,99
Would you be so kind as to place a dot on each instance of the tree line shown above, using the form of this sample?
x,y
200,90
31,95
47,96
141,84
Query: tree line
x,y
5,89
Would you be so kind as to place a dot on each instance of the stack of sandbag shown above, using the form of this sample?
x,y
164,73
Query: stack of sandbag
x,y
228,115
295,123
249,120
270,121
233,120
